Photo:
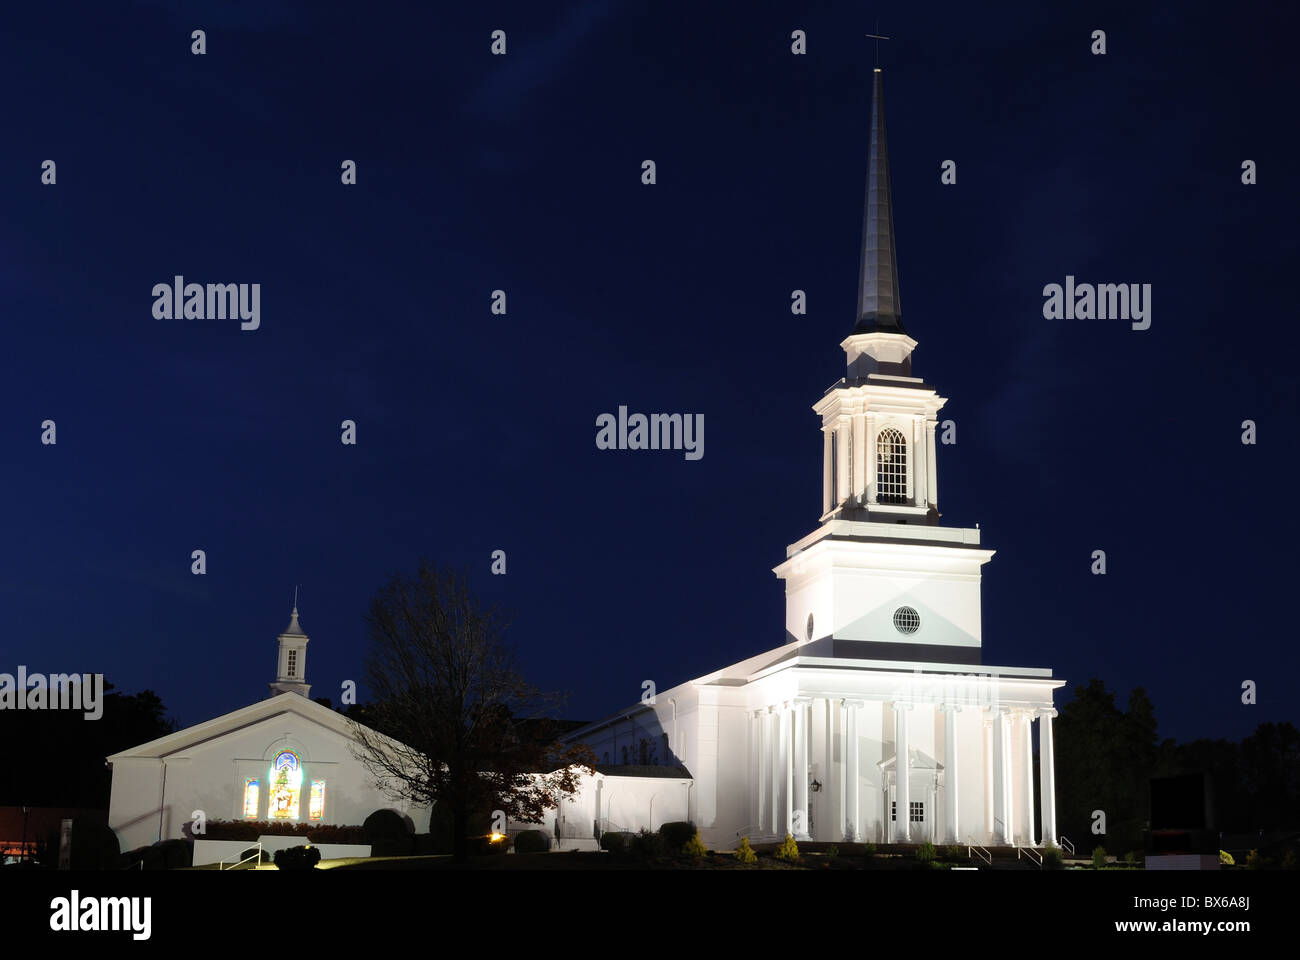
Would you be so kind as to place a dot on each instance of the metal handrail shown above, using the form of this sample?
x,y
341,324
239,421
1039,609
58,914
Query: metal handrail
x,y
1033,855
221,864
979,852
1066,845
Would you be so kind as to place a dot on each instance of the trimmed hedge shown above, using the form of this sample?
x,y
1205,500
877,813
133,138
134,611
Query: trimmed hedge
x,y
532,841
647,846
616,841
676,834
297,858
388,834
383,824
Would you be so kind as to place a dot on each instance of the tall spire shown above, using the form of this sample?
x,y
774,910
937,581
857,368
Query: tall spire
x,y
879,307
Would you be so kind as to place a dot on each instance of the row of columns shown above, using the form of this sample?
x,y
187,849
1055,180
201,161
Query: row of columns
x,y
849,459
780,760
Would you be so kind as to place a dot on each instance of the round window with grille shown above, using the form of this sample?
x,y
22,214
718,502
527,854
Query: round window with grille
x,y
907,620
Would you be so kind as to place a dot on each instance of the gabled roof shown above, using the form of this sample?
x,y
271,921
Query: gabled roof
x,y
237,720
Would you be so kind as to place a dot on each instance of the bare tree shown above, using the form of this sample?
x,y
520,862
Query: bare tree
x,y
451,719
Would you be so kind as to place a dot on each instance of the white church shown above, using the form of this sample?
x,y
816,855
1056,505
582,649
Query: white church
x,y
877,720
285,758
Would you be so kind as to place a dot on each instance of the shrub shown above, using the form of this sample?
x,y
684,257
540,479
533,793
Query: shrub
x,y
532,841
252,829
297,858
94,846
832,851
175,853
1099,857
694,847
926,852
745,853
1131,858
1255,862
788,850
676,834
385,824
1225,859
646,845
953,852
1289,860
615,841
336,833
868,850
1053,858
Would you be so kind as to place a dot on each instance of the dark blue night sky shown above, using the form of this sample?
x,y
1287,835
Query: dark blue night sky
x,y
477,432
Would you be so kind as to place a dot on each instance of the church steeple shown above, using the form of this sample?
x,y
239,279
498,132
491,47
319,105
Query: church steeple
x,y
291,669
878,343
878,423
879,306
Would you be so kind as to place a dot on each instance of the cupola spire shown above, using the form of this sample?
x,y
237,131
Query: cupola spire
x,y
879,307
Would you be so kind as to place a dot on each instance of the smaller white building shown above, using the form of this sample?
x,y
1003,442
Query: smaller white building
x,y
284,758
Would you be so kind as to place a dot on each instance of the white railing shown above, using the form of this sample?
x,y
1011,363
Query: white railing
x,y
1030,853
978,851
221,864
1066,845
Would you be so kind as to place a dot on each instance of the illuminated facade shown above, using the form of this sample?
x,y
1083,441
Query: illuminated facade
x,y
879,701
285,758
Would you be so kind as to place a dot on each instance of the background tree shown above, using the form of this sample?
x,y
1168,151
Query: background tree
x,y
1104,760
451,720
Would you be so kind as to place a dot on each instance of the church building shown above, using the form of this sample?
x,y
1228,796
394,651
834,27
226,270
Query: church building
x,y
285,758
877,719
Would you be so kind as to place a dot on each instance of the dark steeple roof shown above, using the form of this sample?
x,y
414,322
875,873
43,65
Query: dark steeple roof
x,y
879,307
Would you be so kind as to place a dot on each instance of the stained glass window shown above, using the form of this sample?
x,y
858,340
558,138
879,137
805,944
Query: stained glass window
x,y
286,784
316,805
252,794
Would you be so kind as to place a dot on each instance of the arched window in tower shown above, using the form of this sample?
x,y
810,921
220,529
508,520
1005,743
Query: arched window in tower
x,y
286,785
891,467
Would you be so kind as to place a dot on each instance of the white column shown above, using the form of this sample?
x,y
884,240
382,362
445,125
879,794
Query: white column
x,y
1027,753
1047,774
987,720
787,751
774,766
932,494
801,769
921,473
1001,828
842,459
828,481
852,817
859,458
902,767
755,770
827,814
951,830
843,712
869,451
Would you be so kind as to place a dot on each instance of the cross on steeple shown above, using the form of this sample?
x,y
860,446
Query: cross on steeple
x,y
877,38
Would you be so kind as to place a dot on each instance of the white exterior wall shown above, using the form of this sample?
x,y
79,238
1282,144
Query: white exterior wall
x,y
209,776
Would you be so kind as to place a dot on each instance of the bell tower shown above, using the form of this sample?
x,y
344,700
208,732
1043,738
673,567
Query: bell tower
x,y
880,578
291,668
